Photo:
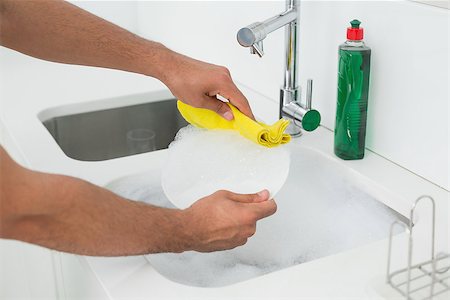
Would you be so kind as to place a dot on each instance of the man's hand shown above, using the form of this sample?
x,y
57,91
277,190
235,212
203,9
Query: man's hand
x,y
225,220
197,83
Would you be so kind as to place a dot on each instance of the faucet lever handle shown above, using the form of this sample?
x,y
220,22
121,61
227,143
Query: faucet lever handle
x,y
257,48
309,87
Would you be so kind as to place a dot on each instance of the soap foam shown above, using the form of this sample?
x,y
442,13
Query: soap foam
x,y
201,162
321,212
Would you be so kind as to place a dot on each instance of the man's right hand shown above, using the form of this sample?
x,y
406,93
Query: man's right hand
x,y
225,220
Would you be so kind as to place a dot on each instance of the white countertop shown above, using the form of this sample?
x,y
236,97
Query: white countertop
x,y
28,86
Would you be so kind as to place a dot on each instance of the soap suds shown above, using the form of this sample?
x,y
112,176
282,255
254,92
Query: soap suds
x,y
321,211
201,162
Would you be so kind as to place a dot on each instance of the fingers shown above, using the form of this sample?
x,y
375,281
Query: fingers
x,y
250,198
212,103
234,218
261,205
265,209
229,90
235,96
225,245
251,231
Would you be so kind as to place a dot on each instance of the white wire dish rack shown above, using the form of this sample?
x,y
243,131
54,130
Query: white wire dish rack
x,y
427,280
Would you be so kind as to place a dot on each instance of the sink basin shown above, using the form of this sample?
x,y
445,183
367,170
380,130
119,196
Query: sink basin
x,y
322,210
101,134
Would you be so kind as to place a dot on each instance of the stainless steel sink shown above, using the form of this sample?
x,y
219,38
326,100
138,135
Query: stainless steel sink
x,y
102,134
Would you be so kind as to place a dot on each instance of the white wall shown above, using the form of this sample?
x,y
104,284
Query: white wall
x,y
408,109
122,13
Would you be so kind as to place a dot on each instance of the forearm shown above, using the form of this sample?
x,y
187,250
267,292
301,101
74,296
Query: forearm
x,y
71,215
61,32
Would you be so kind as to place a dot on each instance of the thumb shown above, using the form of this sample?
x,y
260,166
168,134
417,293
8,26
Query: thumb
x,y
250,198
220,107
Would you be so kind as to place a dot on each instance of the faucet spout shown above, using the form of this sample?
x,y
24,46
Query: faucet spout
x,y
252,36
256,32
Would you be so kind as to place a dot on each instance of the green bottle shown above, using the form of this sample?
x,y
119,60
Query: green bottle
x,y
352,95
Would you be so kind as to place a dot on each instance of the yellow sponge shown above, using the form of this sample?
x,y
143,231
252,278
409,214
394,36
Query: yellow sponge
x,y
258,132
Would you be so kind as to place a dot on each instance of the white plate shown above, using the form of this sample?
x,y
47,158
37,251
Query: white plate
x,y
201,162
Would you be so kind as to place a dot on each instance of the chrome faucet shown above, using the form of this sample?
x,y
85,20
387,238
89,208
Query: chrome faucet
x,y
291,106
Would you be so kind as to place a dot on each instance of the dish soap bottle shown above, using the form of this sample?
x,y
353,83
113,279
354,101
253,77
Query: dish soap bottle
x,y
352,95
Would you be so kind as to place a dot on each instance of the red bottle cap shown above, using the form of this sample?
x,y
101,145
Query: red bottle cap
x,y
355,33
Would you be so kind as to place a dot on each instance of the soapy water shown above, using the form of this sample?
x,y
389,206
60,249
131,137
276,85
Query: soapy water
x,y
321,212
201,162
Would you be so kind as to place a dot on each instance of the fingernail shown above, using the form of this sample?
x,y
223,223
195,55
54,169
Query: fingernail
x,y
264,194
228,115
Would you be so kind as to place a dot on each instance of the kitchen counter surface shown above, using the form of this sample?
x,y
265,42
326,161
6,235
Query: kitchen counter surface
x,y
29,86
